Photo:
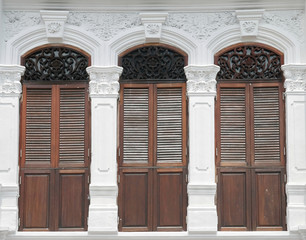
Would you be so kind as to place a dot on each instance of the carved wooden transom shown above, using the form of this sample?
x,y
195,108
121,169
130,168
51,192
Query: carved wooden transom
x,y
153,63
249,62
56,64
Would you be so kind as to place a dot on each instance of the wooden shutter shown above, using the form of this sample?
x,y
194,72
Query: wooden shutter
x,y
169,121
232,125
267,123
72,124
136,125
37,124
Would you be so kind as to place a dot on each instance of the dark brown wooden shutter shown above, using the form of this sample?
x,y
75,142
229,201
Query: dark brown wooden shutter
x,y
169,125
72,125
136,125
267,145
233,125
38,125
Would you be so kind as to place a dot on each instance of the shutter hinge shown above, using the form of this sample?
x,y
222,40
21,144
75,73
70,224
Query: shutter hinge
x,y
119,152
216,152
88,179
20,153
285,178
88,197
19,180
18,222
216,179
88,152
118,179
284,151
186,219
216,97
283,95
186,178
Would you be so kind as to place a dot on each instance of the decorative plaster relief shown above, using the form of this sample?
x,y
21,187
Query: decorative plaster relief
x,y
104,25
201,25
54,22
153,25
10,79
16,21
249,21
201,79
104,80
295,77
291,21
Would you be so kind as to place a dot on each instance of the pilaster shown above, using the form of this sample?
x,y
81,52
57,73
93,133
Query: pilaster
x,y
10,90
295,84
103,90
201,90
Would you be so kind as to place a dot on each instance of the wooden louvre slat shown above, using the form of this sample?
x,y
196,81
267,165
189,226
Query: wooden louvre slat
x,y
38,125
136,125
266,124
72,124
169,124
233,124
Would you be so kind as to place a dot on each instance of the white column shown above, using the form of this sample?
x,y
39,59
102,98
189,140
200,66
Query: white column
x,y
201,90
295,85
103,88
1,34
10,90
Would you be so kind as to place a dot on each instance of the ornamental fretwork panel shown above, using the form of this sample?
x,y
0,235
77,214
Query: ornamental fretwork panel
x,y
153,63
249,63
56,64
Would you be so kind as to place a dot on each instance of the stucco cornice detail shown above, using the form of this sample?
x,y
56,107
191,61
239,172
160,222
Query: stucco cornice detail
x,y
295,75
10,76
104,81
201,79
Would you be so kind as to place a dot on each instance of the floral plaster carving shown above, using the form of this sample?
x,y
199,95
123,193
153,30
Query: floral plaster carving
x,y
10,80
54,27
153,28
295,77
104,81
201,25
201,79
16,21
105,26
291,21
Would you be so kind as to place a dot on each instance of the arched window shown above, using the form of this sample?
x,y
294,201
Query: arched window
x,y
152,151
54,140
250,138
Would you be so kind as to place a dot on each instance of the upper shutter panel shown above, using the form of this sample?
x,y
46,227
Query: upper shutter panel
x,y
169,125
72,125
38,126
233,125
266,124
136,125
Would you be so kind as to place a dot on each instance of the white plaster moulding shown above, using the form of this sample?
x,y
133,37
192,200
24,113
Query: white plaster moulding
x,y
276,38
36,36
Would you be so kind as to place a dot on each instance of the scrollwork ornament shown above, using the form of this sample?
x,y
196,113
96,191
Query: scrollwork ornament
x,y
295,76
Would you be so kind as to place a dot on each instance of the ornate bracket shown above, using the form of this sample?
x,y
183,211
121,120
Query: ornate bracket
x,y
295,75
10,80
54,22
201,79
249,21
104,81
153,25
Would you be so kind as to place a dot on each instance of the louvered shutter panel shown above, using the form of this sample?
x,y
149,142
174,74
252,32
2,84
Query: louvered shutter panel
x,y
233,124
135,125
38,125
266,124
72,125
169,125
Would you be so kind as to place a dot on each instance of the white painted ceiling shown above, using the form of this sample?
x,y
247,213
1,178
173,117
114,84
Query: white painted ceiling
x,y
151,5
